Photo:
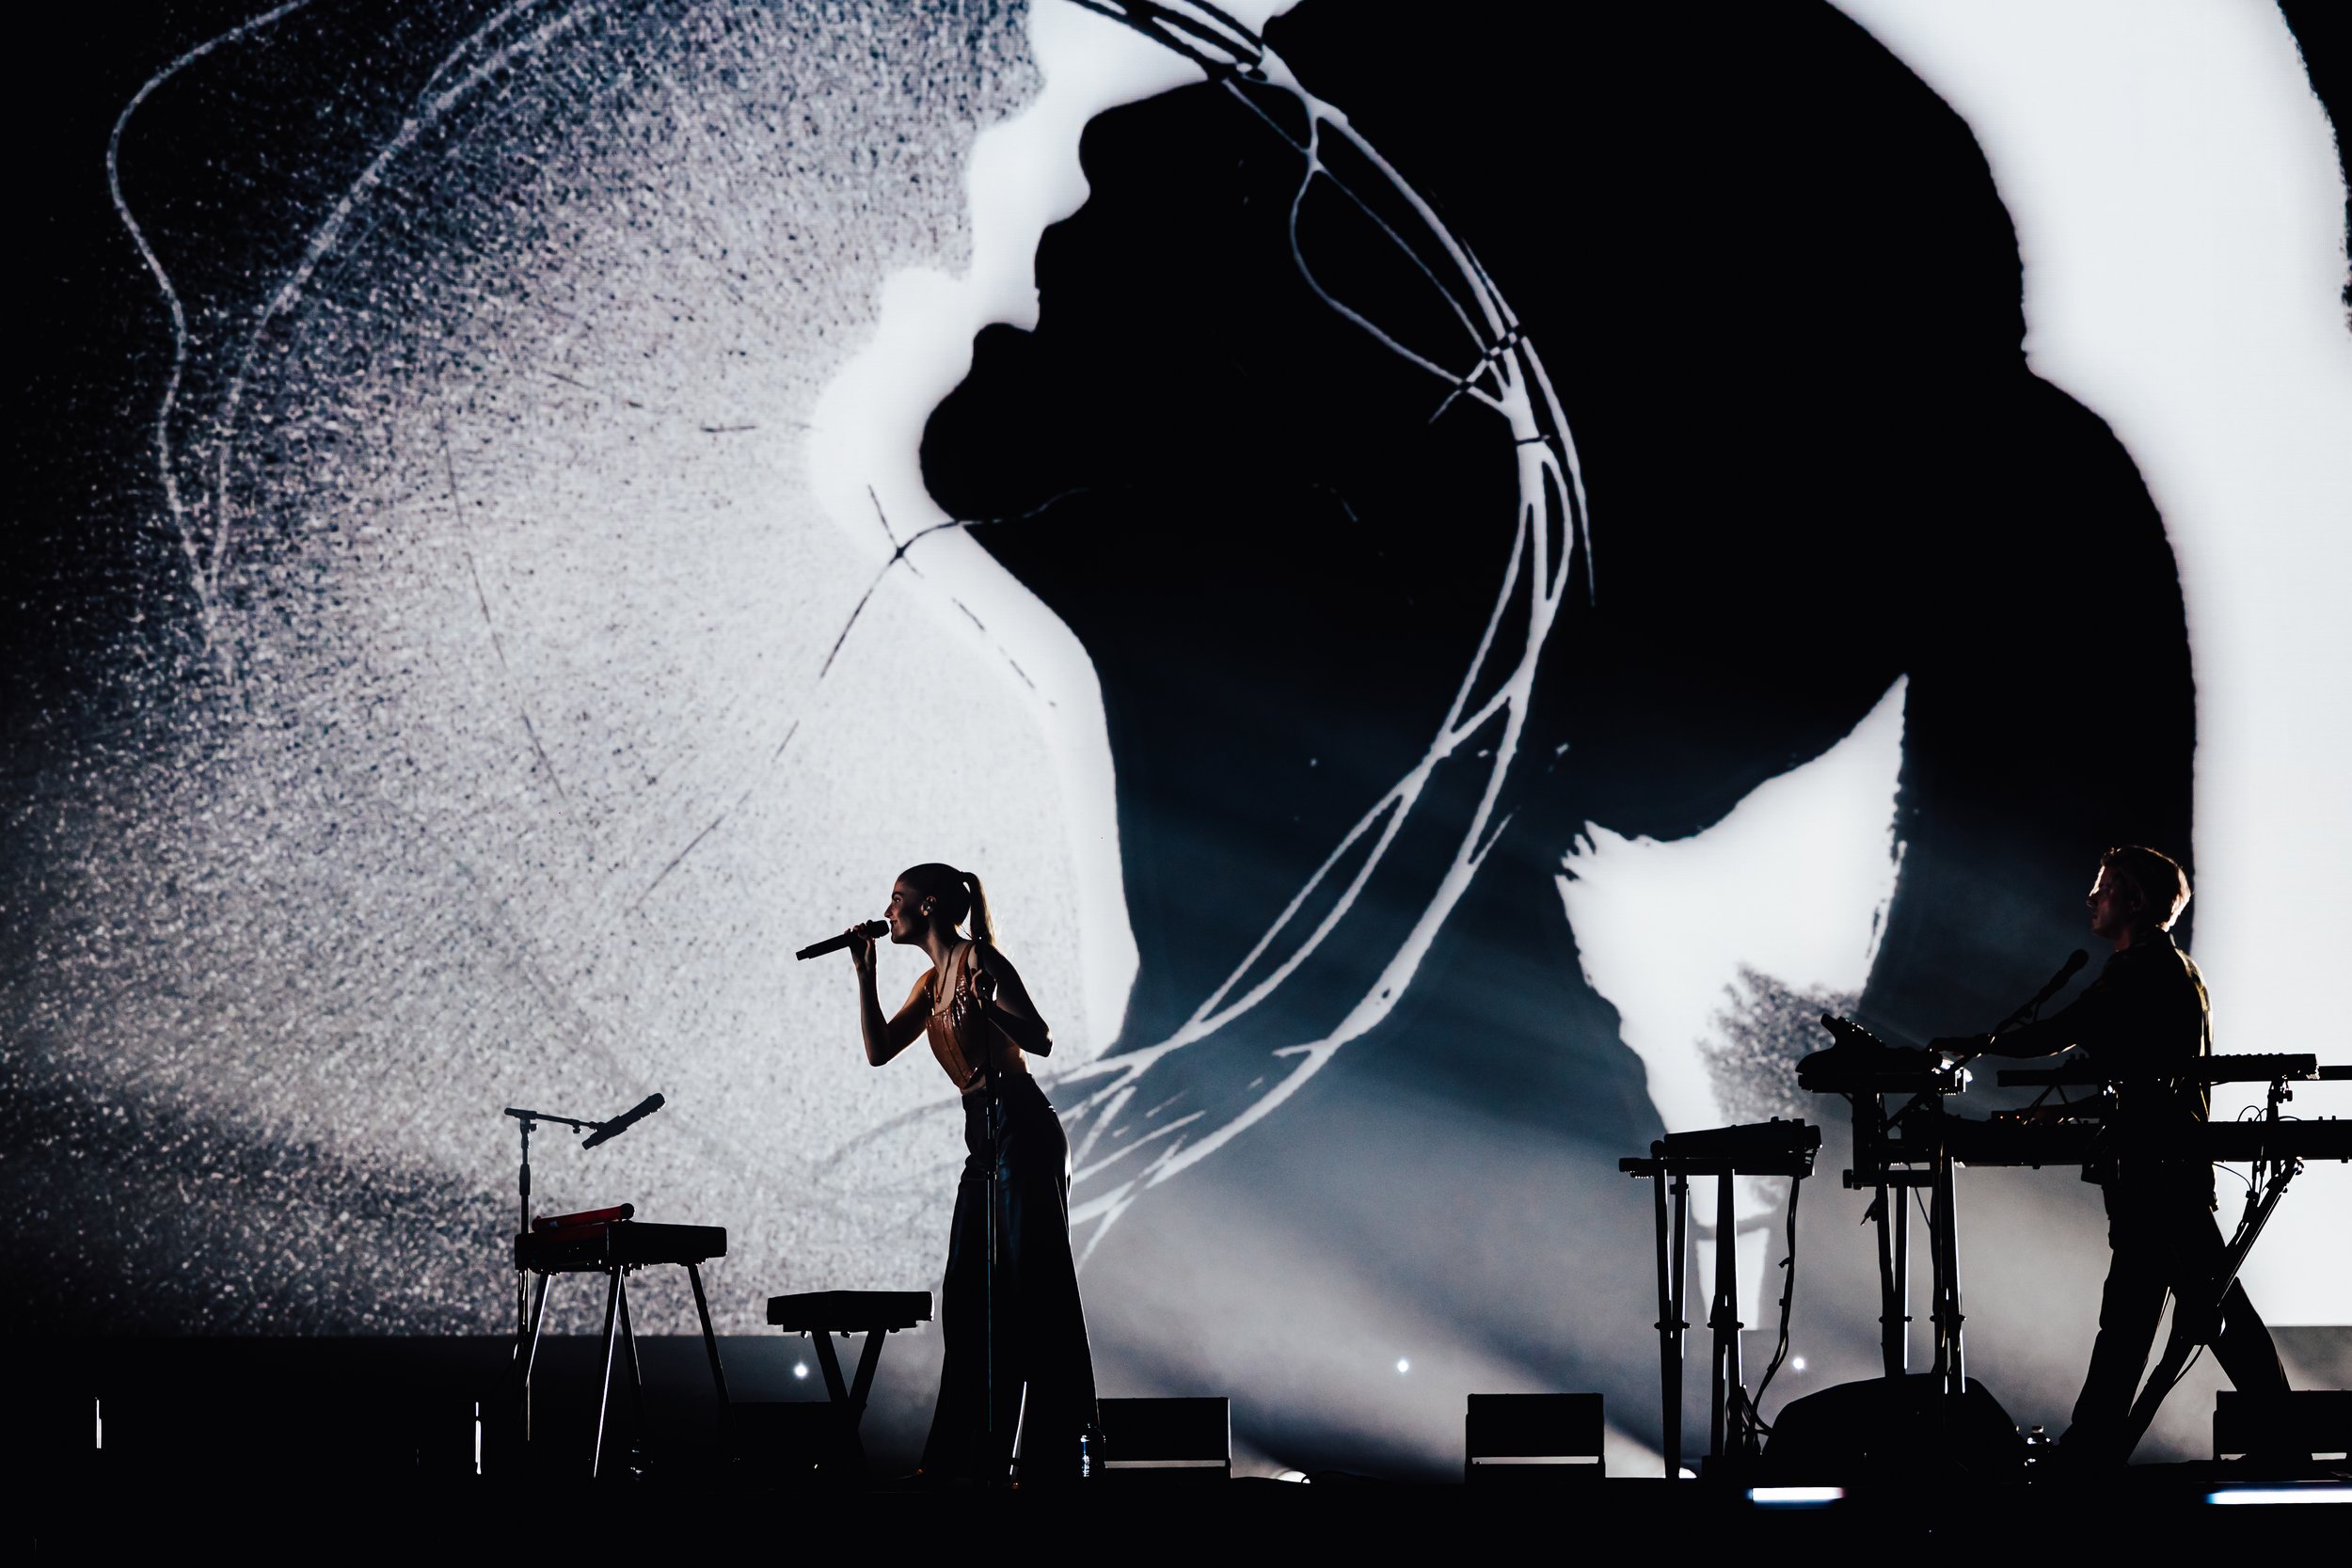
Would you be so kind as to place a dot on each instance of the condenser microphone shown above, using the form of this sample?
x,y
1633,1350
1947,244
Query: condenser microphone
x,y
872,931
623,1122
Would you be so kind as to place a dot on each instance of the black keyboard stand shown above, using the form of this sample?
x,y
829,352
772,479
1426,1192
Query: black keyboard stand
x,y
616,1322
1671,1172
1724,1152
849,1401
2194,1322
1898,1153
1673,1260
877,1314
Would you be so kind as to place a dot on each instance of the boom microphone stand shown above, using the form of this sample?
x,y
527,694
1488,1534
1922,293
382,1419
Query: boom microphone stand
x,y
526,1345
522,1221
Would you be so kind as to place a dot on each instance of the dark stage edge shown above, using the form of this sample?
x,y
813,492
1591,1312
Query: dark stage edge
x,y
368,1444
377,1513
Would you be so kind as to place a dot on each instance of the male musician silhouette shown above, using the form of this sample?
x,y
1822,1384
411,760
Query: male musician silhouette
x,y
2146,1009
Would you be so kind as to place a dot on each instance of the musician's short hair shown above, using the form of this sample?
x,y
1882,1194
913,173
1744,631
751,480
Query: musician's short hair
x,y
2157,877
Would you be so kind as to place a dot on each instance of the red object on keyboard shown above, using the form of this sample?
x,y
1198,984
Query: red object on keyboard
x,y
586,1216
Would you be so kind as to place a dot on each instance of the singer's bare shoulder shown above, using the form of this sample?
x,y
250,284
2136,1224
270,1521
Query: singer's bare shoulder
x,y
990,960
1027,1026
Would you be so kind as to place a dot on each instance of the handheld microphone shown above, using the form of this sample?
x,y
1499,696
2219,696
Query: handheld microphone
x,y
623,1122
872,931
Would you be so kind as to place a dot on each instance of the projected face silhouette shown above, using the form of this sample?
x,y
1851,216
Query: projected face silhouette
x,y
1822,483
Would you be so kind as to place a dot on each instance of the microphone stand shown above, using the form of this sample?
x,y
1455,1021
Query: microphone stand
x,y
992,1107
982,990
988,1106
1943,1310
522,1276
2032,1009
2026,1014
522,1185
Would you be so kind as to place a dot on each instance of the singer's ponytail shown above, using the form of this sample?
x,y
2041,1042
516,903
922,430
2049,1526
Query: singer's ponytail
x,y
983,928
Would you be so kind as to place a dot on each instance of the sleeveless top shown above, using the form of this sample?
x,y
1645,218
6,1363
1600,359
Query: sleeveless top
x,y
963,1050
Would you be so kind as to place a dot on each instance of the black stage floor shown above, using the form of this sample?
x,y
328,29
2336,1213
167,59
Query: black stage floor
x,y
375,1514
377,1445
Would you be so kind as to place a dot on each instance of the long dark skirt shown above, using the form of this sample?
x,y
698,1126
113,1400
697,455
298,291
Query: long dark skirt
x,y
1040,1329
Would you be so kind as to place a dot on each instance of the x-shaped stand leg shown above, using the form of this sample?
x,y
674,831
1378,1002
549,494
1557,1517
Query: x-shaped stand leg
x,y
849,1401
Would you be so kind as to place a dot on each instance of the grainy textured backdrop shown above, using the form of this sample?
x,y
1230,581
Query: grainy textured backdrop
x,y
487,760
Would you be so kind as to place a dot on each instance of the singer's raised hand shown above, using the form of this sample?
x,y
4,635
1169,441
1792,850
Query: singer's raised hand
x,y
1001,998
884,1035
972,994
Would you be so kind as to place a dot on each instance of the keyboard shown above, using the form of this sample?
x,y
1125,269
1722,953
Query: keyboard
x,y
1775,1148
849,1311
1860,1063
2075,1143
597,1247
2236,1069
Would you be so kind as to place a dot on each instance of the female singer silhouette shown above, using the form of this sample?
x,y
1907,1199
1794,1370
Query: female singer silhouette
x,y
1016,1354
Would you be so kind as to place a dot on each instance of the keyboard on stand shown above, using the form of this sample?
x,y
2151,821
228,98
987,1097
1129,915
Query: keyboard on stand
x,y
612,1242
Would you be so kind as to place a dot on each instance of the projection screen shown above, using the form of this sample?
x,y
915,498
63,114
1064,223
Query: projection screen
x,y
1460,586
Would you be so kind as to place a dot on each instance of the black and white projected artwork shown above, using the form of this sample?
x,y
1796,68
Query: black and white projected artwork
x,y
1461,572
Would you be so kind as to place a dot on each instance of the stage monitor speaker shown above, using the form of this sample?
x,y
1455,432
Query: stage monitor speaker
x,y
2313,1423
1533,1439
1891,1427
1167,1440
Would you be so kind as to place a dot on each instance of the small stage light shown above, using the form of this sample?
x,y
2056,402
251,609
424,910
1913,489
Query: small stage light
x,y
1795,1496
1403,1366
2320,1492
1796,1363
799,1369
